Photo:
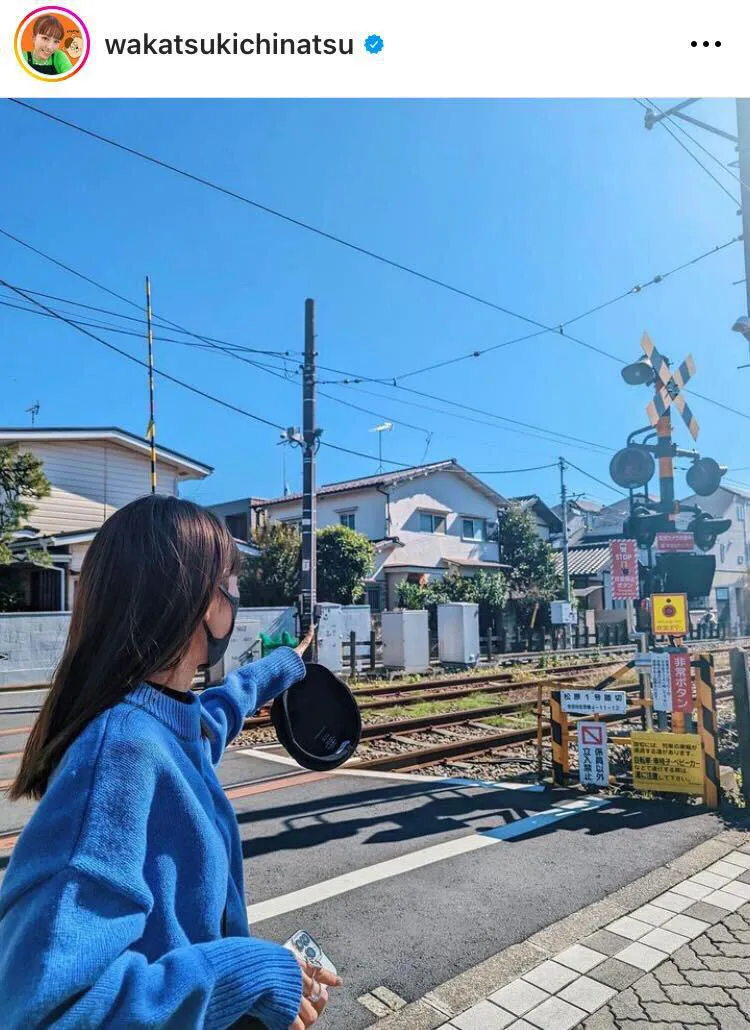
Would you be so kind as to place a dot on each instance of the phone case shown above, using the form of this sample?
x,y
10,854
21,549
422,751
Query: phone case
x,y
305,945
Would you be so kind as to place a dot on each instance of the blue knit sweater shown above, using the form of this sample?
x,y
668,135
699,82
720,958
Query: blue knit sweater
x,y
111,908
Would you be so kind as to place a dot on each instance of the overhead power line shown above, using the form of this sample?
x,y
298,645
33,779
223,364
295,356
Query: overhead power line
x,y
200,180
185,385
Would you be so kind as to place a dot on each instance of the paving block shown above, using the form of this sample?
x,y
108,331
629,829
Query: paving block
x,y
741,857
691,1016
521,1024
688,889
580,958
550,976
726,868
664,940
742,890
616,974
641,956
519,997
710,880
652,915
722,899
587,994
389,998
484,1016
605,942
555,1014
706,913
686,926
672,902
628,927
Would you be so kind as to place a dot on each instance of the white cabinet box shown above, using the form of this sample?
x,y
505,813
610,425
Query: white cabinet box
x,y
406,641
458,633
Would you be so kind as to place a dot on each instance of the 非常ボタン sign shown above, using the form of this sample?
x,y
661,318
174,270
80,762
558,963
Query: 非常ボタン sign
x,y
682,686
669,614
593,759
671,762
675,542
624,564
599,702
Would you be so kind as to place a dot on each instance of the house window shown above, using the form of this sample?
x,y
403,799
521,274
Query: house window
x,y
740,512
237,525
292,524
346,518
722,553
472,529
430,523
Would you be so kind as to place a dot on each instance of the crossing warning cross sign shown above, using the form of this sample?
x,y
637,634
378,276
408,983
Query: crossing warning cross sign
x,y
668,386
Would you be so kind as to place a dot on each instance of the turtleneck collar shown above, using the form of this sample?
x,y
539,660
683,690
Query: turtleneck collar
x,y
183,719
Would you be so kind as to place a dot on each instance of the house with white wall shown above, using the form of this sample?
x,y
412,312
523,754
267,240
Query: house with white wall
x,y
422,520
92,473
730,594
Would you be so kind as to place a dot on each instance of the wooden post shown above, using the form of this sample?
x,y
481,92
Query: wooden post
x,y
539,730
739,664
373,650
560,740
489,644
706,704
353,655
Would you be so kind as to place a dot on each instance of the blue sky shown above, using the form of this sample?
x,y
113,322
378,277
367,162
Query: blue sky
x,y
546,207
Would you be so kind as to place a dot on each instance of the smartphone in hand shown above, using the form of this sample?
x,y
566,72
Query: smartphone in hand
x,y
305,945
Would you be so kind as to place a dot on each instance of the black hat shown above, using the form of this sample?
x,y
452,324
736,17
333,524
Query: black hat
x,y
317,720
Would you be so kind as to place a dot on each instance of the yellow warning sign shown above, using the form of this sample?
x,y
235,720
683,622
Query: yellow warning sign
x,y
672,762
669,614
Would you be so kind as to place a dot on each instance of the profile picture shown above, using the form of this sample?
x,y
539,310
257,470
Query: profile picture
x,y
52,43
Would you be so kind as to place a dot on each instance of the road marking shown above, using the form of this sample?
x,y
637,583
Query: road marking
x,y
361,877
415,860
551,815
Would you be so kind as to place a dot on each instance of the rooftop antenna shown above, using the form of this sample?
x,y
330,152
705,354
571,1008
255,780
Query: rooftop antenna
x,y
33,411
384,427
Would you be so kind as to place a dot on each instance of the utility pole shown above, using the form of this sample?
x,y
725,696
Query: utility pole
x,y
743,149
151,431
566,564
310,445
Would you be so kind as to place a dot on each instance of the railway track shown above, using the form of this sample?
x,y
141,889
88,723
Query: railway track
x,y
405,761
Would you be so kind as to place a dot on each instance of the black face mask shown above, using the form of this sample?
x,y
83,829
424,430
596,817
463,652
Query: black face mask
x,y
217,646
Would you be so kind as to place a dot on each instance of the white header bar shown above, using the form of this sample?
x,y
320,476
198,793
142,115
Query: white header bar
x,y
162,48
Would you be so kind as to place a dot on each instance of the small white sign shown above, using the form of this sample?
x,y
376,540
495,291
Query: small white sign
x,y
601,702
661,682
593,757
562,613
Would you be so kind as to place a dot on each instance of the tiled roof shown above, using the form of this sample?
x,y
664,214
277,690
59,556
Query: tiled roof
x,y
583,561
388,479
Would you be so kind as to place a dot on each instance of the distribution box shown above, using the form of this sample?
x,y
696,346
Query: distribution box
x,y
406,641
458,633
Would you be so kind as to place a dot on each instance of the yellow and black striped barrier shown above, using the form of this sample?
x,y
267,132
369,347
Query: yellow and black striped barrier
x,y
707,727
560,740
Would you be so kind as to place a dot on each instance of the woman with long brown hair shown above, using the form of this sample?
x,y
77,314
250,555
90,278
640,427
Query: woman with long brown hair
x,y
123,903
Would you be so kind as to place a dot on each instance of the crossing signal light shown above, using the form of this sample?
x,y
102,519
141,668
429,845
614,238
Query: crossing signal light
x,y
705,529
632,467
704,476
643,525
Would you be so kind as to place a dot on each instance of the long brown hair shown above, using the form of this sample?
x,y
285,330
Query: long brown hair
x,y
145,585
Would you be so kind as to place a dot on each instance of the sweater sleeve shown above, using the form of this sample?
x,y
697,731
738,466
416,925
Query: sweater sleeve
x,y
245,691
66,960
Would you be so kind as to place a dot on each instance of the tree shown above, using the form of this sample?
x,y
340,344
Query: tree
x,y
22,480
345,558
274,577
532,577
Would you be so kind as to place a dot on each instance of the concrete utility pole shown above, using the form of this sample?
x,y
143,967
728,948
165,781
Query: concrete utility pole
x,y
743,149
566,564
310,436
151,432
564,506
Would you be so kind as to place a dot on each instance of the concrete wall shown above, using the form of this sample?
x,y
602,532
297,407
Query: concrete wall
x,y
34,642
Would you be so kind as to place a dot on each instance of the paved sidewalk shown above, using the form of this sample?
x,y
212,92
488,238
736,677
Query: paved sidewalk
x,y
680,960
